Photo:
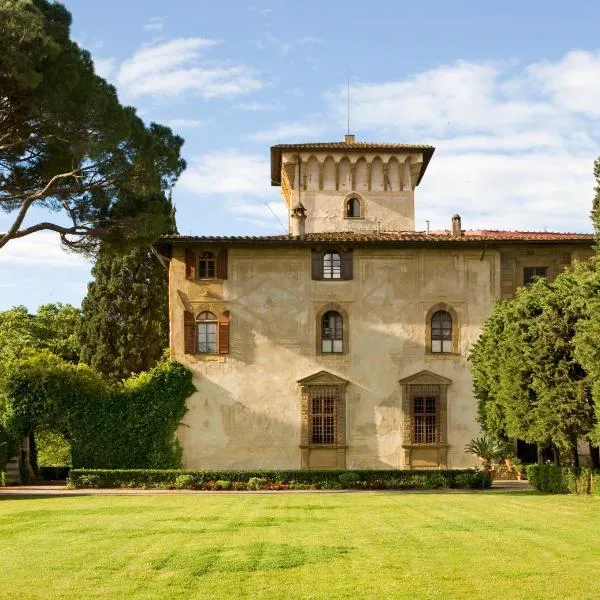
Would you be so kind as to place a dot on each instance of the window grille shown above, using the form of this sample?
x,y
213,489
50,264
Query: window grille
x,y
425,401
332,265
323,417
207,266
206,328
530,273
332,333
441,332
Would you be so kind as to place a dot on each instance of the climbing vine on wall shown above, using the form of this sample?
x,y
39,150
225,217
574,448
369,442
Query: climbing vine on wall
x,y
130,425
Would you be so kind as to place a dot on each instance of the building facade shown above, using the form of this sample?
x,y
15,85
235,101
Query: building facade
x,y
343,344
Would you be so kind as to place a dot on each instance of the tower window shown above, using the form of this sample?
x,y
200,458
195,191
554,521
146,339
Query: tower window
x,y
353,208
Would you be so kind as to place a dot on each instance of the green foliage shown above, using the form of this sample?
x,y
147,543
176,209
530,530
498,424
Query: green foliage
x,y
527,377
51,328
125,324
68,145
551,479
125,426
53,450
298,479
488,449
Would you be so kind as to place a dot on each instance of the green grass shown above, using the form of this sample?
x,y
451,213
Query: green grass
x,y
376,545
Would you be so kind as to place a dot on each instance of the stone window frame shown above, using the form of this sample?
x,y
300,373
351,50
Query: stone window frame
x,y
443,306
425,378
361,206
310,387
331,306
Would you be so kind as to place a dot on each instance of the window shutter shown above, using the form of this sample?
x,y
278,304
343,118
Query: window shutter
x,y
190,264
224,333
317,267
347,269
222,265
189,333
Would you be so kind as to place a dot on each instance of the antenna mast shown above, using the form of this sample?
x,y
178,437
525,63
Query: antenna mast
x,y
348,104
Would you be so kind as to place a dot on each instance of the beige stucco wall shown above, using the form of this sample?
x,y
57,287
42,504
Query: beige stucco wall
x,y
246,412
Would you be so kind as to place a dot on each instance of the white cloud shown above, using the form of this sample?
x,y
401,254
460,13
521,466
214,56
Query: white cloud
x,y
260,106
155,24
176,67
262,11
285,46
515,143
105,67
243,184
573,83
186,123
227,172
42,249
295,131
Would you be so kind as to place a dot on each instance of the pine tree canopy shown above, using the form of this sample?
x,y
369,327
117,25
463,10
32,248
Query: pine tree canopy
x,y
66,143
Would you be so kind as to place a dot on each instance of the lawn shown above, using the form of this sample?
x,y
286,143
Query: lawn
x,y
367,545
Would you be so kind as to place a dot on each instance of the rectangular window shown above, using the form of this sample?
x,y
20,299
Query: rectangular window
x,y
323,417
425,404
207,338
530,273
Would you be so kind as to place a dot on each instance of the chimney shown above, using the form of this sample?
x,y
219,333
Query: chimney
x,y
456,226
349,138
298,221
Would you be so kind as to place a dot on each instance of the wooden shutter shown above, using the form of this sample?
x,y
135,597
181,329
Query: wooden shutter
x,y
224,333
222,264
347,269
317,266
190,264
189,333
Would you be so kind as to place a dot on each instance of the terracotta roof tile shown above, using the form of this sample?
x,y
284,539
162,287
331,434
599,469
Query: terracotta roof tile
x,y
486,235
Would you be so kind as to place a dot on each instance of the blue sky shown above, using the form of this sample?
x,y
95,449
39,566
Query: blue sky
x,y
509,93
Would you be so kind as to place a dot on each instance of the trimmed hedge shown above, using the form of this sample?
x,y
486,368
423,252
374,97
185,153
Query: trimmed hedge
x,y
273,479
564,480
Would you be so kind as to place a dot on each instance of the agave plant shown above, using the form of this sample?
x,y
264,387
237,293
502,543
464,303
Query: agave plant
x,y
487,449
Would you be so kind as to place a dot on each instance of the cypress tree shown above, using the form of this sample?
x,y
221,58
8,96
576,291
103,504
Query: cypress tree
x,y
125,318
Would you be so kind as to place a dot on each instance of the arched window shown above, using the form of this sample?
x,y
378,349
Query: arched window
x,y
207,266
206,331
352,207
441,332
332,341
332,265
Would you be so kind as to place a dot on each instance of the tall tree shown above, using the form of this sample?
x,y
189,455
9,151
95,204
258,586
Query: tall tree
x,y
527,377
125,316
67,144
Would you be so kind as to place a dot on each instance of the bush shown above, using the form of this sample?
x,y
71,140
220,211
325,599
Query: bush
x,y
257,483
293,479
185,482
551,479
349,479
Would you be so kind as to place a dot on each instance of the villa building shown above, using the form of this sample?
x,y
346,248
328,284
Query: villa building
x,y
343,344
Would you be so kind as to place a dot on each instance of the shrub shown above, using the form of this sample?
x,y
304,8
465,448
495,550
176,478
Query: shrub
x,y
224,484
349,479
292,479
257,483
185,482
551,479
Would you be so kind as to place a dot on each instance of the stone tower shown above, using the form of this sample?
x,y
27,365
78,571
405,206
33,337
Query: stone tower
x,y
349,185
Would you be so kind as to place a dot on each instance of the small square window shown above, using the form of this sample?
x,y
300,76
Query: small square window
x,y
530,273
